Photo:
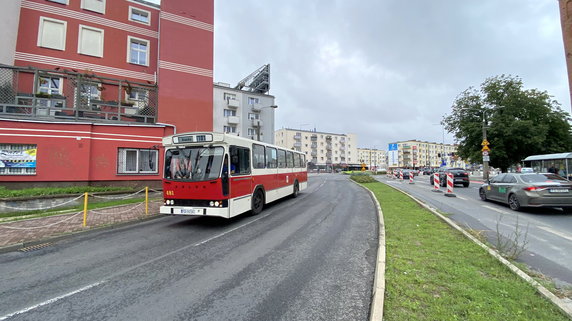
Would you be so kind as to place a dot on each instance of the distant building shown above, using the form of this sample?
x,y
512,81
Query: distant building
x,y
88,88
373,158
415,154
247,110
321,148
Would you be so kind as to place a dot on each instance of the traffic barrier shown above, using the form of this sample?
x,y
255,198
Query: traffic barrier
x,y
411,178
401,176
450,183
436,183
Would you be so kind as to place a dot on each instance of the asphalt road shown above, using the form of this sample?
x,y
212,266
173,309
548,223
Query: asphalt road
x,y
310,258
546,232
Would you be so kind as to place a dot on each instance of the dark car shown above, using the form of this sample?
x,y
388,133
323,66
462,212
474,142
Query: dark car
x,y
407,173
460,176
529,190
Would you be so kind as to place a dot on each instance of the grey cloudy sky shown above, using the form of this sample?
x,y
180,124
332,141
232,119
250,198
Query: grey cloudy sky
x,y
386,70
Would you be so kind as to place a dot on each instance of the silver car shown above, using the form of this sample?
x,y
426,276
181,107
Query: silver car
x,y
529,190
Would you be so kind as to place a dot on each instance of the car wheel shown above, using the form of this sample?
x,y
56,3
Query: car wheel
x,y
257,202
482,194
513,202
466,184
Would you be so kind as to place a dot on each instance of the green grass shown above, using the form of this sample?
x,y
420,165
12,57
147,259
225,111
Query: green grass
x,y
434,273
16,216
41,191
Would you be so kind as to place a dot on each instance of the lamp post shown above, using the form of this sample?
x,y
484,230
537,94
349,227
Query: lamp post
x,y
485,162
442,145
258,121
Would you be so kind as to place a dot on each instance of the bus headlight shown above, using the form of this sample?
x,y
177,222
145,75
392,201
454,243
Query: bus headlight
x,y
211,203
216,203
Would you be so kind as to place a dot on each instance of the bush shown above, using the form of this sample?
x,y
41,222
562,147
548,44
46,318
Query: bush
x,y
40,191
363,178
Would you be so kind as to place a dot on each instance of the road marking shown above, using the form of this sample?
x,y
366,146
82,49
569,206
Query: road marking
x,y
495,209
85,288
548,229
459,197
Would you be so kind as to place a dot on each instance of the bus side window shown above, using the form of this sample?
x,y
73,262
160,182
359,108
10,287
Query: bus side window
x,y
271,158
297,159
289,159
239,160
281,158
258,156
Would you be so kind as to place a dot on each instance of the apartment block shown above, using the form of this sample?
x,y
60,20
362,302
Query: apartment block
x,y
321,148
415,154
373,158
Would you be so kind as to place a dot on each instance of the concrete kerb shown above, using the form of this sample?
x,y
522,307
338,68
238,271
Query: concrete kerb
x,y
539,287
378,293
51,239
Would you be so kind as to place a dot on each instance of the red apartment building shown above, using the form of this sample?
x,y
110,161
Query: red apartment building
x,y
88,88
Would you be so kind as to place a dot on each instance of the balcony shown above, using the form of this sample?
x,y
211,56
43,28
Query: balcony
x,y
328,146
233,103
297,144
79,97
314,153
256,107
256,123
298,136
233,120
314,145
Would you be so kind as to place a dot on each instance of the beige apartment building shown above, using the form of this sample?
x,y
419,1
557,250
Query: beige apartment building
x,y
322,149
375,159
415,154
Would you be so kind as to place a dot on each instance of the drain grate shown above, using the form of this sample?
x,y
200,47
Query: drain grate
x,y
36,247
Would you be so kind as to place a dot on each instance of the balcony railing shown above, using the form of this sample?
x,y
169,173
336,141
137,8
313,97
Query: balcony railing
x,y
234,103
233,119
71,96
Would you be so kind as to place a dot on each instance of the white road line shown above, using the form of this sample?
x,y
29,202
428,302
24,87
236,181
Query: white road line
x,y
128,270
85,288
495,209
548,229
459,197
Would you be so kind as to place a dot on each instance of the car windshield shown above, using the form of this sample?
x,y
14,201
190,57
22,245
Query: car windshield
x,y
540,178
193,163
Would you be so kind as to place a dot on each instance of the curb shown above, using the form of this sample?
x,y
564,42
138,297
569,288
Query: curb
x,y
539,287
19,246
378,293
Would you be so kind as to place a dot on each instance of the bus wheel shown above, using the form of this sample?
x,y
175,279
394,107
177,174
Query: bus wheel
x,y
257,202
296,190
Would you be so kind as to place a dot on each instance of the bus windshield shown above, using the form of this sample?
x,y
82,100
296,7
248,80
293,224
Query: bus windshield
x,y
193,164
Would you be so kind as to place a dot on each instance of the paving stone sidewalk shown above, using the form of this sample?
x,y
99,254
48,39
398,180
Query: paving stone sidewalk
x,y
21,232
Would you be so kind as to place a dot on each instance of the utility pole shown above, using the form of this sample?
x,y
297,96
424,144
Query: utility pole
x,y
485,157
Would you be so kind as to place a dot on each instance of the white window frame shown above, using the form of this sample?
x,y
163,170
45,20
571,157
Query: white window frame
x,y
41,27
231,129
252,132
253,100
85,4
79,42
123,170
253,116
229,113
66,2
129,40
132,9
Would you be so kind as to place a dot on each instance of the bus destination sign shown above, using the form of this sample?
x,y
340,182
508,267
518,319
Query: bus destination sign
x,y
200,138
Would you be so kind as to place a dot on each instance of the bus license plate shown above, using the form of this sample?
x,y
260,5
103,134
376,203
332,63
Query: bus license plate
x,y
558,190
190,211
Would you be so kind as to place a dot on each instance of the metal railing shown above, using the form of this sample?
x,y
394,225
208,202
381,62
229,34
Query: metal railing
x,y
70,95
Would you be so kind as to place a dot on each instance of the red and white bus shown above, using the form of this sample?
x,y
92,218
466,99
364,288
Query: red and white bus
x,y
215,174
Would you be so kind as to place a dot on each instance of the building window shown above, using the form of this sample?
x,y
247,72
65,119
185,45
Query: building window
x,y
52,34
60,1
139,15
90,41
88,93
50,85
93,5
17,159
253,116
253,100
229,112
138,51
139,98
229,129
251,132
228,96
137,161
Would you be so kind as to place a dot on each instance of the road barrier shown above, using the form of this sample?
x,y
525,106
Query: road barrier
x,y
436,183
401,176
411,178
450,183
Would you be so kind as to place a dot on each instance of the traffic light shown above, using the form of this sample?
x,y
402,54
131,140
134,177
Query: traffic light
x,y
439,155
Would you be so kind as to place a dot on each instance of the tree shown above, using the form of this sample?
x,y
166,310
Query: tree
x,y
519,122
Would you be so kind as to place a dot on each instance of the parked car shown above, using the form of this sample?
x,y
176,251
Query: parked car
x,y
428,171
460,176
527,170
528,190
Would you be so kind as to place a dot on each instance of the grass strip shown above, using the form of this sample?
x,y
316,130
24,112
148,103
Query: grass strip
x,y
42,191
434,273
24,215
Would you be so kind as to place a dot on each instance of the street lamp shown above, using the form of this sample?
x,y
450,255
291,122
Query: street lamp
x,y
258,121
442,144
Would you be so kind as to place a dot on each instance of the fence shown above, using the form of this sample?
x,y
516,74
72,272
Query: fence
x,y
39,228
69,95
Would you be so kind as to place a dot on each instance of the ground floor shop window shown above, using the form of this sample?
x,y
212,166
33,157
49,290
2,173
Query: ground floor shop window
x,y
18,159
137,161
